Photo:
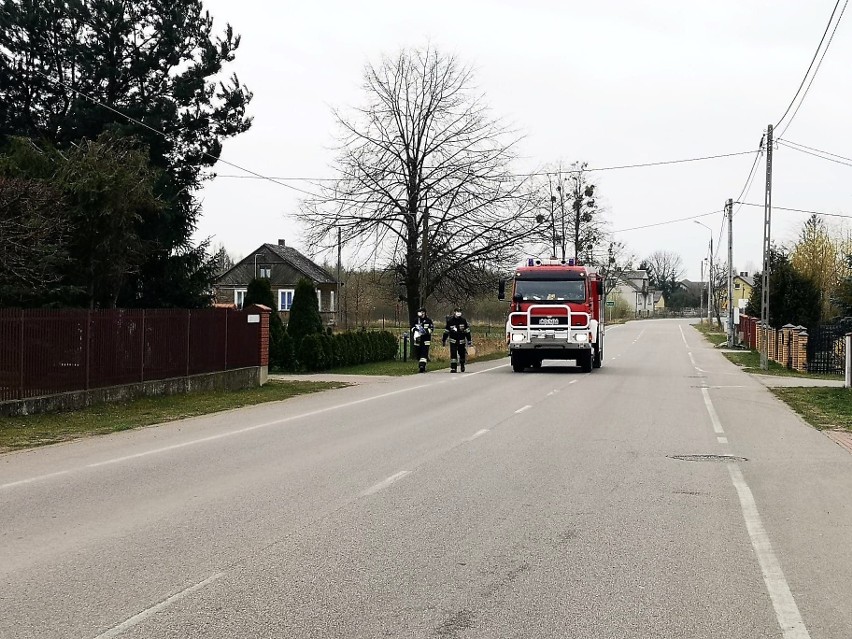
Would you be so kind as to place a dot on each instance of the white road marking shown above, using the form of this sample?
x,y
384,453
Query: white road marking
x,y
691,359
786,610
573,381
240,431
153,610
722,440
550,393
32,479
523,408
385,483
717,425
478,433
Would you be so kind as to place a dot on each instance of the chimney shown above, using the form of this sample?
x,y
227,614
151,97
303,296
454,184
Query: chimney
x,y
281,242
744,274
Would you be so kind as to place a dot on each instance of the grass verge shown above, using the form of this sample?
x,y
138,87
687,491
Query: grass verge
x,y
487,348
38,430
823,408
750,360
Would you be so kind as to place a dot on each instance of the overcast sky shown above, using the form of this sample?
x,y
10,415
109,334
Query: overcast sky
x,y
606,82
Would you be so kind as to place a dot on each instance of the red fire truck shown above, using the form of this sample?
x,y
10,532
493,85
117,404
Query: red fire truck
x,y
556,313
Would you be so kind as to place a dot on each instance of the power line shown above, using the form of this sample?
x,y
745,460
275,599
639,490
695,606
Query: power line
x,y
816,155
819,64
784,208
810,148
536,174
810,66
681,219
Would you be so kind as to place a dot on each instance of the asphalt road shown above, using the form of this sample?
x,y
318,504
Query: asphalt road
x,y
485,504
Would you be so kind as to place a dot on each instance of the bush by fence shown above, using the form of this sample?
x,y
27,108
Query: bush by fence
x,y
320,351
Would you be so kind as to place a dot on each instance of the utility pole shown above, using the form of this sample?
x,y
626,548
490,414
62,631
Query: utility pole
x,y
729,211
710,284
767,249
561,192
424,271
701,295
338,305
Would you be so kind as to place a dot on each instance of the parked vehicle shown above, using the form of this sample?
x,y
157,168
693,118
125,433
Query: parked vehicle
x,y
556,313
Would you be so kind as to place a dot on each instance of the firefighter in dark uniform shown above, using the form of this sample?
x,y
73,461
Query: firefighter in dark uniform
x,y
421,338
458,332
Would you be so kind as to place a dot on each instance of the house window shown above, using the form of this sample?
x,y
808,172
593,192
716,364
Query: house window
x,y
239,297
737,285
285,299
319,300
265,272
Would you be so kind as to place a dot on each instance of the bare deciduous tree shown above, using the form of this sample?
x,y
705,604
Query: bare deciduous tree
x,y
424,182
32,239
664,268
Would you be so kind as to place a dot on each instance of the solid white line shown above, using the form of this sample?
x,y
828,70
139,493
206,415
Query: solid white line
x,y
550,393
717,425
682,336
32,479
478,433
387,482
573,381
137,619
786,611
523,408
691,358
722,440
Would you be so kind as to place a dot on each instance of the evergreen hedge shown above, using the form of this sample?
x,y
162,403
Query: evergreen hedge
x,y
318,351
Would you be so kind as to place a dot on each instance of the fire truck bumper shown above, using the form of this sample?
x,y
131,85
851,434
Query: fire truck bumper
x,y
548,349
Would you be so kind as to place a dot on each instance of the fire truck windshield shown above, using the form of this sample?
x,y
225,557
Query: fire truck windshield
x,y
551,290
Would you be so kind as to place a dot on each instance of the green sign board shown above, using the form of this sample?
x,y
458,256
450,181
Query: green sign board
x,y
610,302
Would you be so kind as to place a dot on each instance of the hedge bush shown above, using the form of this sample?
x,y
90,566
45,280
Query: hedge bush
x,y
318,351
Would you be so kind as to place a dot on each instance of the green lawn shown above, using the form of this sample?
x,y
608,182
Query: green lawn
x,y
38,430
823,408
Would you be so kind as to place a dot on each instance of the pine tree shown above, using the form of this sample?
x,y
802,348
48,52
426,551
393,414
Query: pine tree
x,y
156,61
305,317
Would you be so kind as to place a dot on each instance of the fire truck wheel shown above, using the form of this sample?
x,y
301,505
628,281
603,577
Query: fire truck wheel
x,y
586,362
598,360
518,364
536,364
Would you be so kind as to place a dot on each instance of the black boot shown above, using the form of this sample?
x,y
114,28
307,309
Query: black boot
x,y
462,367
453,369
422,368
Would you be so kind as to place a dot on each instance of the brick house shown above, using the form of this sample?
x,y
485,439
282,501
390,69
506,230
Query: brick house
x,y
283,266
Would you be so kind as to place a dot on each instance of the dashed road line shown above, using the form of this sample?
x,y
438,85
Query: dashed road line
x,y
478,433
372,490
523,408
722,440
135,620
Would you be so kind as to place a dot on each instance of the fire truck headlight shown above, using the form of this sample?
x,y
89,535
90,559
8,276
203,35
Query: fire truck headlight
x,y
581,337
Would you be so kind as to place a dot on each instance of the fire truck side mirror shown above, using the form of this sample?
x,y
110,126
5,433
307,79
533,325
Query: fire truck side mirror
x,y
517,297
501,290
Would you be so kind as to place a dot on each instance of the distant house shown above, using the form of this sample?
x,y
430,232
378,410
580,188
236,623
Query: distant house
x,y
283,266
634,291
659,301
743,286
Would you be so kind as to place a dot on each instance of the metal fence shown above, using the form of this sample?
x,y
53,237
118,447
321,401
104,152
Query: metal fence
x,y
43,352
827,347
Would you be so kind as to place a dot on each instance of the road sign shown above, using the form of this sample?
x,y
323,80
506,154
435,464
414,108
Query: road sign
x,y
610,302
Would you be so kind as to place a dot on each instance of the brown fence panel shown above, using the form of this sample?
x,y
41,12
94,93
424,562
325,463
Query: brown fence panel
x,y
11,334
243,337
166,343
44,352
208,340
115,347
